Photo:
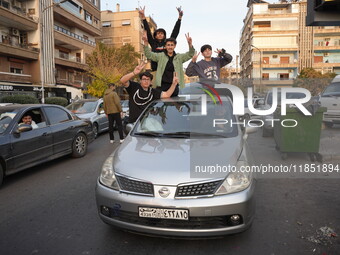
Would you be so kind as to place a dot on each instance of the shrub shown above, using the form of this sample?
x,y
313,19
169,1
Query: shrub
x,y
20,99
56,100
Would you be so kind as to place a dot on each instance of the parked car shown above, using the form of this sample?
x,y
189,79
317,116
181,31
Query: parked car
x,y
248,115
93,110
56,132
149,185
267,128
125,107
330,98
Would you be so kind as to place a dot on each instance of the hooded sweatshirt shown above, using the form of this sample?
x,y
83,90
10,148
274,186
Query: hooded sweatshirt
x,y
111,102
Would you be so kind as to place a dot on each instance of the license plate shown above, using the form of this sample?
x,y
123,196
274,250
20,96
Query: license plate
x,y
163,213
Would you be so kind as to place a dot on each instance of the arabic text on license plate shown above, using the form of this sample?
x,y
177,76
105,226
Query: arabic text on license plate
x,y
164,213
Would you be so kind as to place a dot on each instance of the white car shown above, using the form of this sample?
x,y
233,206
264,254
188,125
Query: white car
x,y
330,98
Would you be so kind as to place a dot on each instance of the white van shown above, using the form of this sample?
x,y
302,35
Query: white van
x,y
330,98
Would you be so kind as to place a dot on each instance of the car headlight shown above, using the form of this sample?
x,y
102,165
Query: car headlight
x,y
236,181
107,176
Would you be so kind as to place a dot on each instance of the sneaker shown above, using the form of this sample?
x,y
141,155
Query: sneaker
x,y
121,141
111,141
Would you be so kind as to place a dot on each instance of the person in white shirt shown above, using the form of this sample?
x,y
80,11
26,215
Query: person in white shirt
x,y
27,119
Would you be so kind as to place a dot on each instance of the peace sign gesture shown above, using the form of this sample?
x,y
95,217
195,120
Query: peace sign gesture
x,y
141,12
139,68
189,39
194,58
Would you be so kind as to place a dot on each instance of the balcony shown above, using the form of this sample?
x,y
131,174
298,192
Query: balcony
x,y
73,36
9,48
16,17
70,61
14,77
68,18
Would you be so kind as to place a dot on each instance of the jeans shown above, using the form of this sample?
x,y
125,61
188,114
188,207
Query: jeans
x,y
115,117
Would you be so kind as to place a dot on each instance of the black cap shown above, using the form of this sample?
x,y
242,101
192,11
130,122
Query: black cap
x,y
159,30
204,47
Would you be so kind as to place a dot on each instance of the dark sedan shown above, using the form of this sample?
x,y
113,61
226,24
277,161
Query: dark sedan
x,y
53,132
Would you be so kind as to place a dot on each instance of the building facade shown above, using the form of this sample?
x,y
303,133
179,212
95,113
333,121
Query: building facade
x,y
122,27
276,44
44,44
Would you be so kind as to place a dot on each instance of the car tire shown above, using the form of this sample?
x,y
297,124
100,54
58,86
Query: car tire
x,y
328,124
1,174
95,130
79,146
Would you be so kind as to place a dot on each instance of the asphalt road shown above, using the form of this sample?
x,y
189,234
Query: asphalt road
x,y
50,209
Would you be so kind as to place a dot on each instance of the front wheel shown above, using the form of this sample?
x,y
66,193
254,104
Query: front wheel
x,y
79,146
95,130
328,124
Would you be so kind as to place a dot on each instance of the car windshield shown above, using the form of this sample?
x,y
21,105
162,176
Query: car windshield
x,y
82,107
289,95
5,119
333,89
184,120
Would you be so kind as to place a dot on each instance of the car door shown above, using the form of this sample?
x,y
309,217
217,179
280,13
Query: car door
x,y
63,128
103,121
30,147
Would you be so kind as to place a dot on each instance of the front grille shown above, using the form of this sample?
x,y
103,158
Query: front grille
x,y
192,223
199,189
134,186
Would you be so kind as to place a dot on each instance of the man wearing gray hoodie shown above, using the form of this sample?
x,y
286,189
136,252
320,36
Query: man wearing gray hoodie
x,y
113,109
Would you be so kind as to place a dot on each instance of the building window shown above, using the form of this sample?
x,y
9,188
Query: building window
x,y
283,76
126,40
16,70
265,60
284,60
126,22
265,76
88,17
106,24
63,54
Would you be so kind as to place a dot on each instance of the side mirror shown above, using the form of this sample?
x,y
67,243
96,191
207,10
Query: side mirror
x,y
23,128
129,127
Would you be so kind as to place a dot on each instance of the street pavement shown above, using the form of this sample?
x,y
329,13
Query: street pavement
x,y
51,209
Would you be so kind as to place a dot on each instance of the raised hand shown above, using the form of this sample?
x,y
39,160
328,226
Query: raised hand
x,y
189,39
194,58
139,68
175,79
180,12
218,51
145,38
141,12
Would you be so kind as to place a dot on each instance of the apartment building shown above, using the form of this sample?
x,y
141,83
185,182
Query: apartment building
x,y
44,44
122,27
276,44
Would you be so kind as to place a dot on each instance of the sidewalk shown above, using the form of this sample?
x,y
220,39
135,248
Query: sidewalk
x,y
330,144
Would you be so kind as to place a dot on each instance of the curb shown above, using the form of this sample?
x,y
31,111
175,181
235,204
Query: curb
x,y
330,157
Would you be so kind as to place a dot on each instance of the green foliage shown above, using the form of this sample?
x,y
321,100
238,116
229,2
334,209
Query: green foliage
x,y
56,100
20,99
313,80
108,64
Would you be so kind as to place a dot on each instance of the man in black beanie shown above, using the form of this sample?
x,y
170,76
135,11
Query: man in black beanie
x,y
209,67
157,40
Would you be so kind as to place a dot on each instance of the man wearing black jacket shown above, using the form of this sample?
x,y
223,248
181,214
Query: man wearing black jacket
x,y
157,40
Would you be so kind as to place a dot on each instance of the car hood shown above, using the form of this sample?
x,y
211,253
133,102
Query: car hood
x,y
85,115
167,161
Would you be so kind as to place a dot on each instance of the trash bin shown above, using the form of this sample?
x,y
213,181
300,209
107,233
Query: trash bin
x,y
305,137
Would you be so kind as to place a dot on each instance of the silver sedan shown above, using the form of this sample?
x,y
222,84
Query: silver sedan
x,y
178,172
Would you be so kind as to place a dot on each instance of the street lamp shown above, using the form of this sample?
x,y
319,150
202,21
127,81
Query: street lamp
x,y
42,60
260,64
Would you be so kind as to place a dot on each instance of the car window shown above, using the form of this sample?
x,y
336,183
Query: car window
x,y
35,117
333,89
82,107
183,120
57,115
289,95
5,119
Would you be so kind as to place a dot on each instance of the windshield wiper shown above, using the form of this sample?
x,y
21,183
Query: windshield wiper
x,y
187,134
150,133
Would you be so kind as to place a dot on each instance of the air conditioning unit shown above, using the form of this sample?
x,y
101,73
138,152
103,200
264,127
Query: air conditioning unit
x,y
14,32
290,70
326,54
274,56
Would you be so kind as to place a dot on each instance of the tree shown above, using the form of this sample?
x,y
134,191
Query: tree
x,y
313,80
106,64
